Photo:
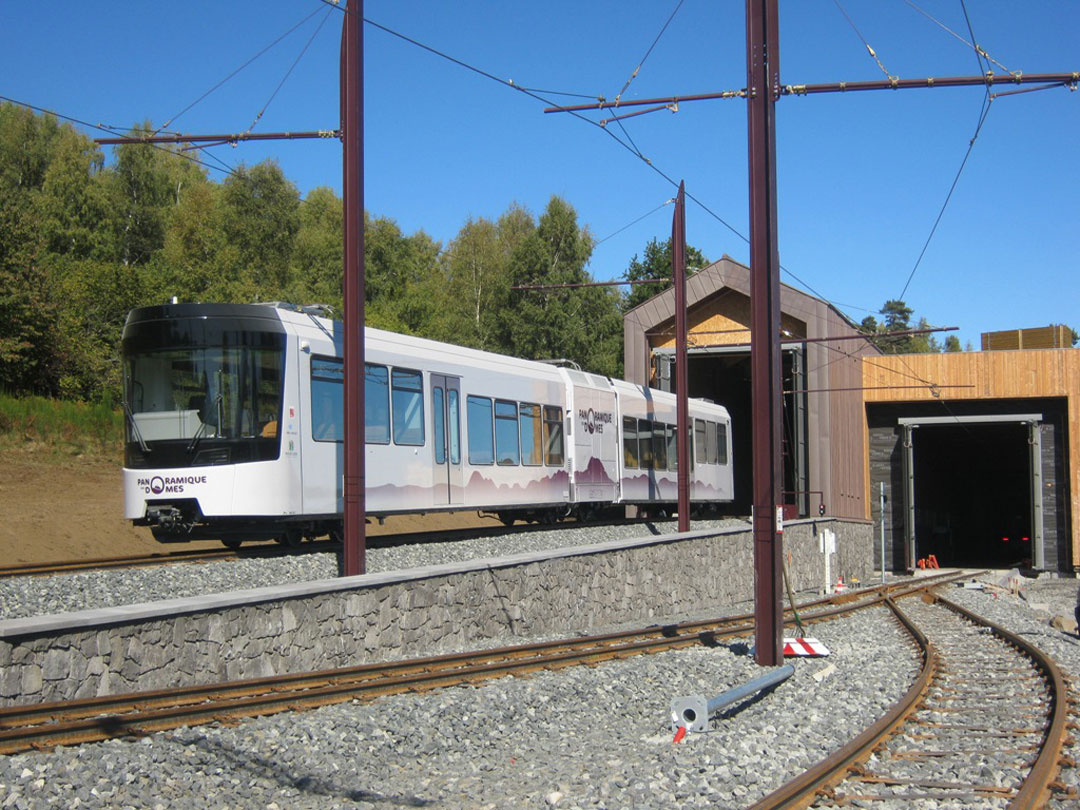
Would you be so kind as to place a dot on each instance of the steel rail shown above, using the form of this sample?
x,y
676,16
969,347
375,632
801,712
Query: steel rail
x,y
1035,789
69,722
46,725
803,789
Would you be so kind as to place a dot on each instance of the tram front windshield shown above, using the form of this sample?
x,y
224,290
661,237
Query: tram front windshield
x,y
198,395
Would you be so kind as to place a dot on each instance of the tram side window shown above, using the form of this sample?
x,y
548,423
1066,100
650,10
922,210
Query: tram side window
x,y
659,446
645,455
455,432
699,441
327,407
327,404
478,419
407,397
721,443
438,413
672,446
630,442
553,436
506,433
531,433
376,404
710,442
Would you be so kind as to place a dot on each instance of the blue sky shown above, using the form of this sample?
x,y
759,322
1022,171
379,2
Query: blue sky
x,y
862,176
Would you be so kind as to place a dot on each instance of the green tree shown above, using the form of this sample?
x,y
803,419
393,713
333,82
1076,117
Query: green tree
x,y
140,195
952,344
187,265
73,202
897,318
317,251
924,343
656,264
96,297
27,145
422,290
579,324
260,217
476,267
401,286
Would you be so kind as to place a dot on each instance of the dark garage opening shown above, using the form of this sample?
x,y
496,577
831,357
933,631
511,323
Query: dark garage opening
x,y
725,378
972,487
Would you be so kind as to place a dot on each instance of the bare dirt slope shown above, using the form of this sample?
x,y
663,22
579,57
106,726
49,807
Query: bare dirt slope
x,y
55,508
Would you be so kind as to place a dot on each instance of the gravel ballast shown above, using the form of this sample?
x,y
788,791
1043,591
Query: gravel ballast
x,y
585,737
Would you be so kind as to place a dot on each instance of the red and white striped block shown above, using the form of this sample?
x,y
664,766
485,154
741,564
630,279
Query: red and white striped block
x,y
804,647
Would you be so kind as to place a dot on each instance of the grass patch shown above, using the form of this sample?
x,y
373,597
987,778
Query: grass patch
x,y
65,428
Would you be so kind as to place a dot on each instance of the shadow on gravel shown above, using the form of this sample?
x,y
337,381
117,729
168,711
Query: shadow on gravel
x,y
264,768
736,708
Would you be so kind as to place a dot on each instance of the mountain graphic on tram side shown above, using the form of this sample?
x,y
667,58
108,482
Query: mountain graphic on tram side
x,y
594,473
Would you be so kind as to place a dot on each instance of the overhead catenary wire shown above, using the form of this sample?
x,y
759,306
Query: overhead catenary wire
x,y
946,28
288,73
637,152
537,96
891,83
632,148
236,71
971,145
858,33
640,64
666,202
984,67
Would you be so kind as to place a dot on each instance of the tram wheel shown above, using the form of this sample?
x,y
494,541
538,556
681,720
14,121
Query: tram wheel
x,y
290,538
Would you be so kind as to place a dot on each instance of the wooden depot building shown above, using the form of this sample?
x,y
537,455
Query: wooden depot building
x,y
975,455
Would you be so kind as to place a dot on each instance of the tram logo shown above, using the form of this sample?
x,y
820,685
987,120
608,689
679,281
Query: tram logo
x,y
594,421
173,484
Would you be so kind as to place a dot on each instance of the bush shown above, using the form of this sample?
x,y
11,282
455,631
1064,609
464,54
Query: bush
x,y
74,428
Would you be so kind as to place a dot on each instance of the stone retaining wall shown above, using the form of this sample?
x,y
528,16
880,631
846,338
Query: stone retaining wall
x,y
379,617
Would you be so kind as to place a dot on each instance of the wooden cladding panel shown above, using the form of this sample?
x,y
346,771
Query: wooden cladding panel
x,y
1025,374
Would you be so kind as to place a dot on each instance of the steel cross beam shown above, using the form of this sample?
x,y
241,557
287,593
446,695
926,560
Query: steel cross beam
x,y
233,137
1071,80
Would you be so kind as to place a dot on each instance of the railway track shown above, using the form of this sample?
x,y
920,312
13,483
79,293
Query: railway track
x,y
983,725
47,725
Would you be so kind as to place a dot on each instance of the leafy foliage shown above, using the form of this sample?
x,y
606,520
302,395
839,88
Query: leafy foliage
x,y
83,242
897,318
657,264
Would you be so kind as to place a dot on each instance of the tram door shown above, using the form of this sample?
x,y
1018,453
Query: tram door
x,y
446,432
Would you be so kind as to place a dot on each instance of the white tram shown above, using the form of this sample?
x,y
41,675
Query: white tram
x,y
235,429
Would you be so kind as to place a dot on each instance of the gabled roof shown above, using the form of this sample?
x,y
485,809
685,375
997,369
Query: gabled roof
x,y
821,318
727,274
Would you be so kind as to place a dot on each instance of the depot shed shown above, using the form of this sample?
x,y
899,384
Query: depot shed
x,y
977,457
824,440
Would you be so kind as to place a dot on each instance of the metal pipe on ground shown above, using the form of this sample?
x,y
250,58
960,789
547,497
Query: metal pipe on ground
x,y
693,711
